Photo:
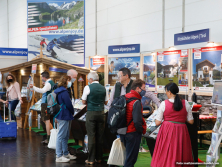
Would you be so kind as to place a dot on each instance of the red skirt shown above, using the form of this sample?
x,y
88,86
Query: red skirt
x,y
173,146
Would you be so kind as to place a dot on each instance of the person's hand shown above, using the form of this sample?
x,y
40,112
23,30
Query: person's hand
x,y
31,86
21,101
56,120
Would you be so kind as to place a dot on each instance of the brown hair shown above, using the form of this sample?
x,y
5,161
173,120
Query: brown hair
x,y
63,81
137,83
13,79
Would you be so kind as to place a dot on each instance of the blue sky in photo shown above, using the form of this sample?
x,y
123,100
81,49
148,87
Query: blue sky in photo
x,y
124,60
51,37
59,2
212,56
148,60
169,59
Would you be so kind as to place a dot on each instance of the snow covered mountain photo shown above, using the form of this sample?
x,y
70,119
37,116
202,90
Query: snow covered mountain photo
x,y
64,6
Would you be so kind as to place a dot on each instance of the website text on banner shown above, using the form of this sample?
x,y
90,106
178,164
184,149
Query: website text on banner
x,y
13,52
121,49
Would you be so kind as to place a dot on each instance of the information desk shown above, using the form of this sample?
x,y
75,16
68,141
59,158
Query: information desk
x,y
78,130
193,137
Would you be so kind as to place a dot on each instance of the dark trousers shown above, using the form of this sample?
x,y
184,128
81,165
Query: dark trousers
x,y
132,144
95,125
13,105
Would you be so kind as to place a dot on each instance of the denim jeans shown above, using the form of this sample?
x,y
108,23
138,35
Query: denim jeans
x,y
132,144
62,138
13,105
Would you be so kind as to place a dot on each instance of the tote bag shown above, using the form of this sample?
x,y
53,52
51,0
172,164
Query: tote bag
x,y
117,154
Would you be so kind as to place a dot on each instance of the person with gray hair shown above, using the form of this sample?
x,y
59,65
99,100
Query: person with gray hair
x,y
73,74
94,96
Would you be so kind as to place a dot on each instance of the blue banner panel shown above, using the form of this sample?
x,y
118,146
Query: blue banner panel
x,y
122,49
13,52
191,37
57,70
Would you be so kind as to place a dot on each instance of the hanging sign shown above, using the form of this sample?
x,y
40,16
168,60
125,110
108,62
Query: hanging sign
x,y
34,67
121,49
80,79
191,37
13,52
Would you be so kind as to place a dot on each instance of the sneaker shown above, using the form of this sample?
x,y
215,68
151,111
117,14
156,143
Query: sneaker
x,y
62,159
69,156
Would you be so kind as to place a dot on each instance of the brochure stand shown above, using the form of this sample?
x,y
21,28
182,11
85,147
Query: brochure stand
x,y
214,149
30,104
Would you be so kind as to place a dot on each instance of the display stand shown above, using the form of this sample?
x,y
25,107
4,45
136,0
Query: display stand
x,y
216,148
30,104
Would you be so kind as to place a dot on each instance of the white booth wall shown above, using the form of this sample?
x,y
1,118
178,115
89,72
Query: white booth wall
x,y
122,22
13,29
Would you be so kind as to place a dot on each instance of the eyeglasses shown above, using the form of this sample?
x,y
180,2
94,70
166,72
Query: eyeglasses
x,y
119,76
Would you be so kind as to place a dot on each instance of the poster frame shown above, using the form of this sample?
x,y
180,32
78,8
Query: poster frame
x,y
105,67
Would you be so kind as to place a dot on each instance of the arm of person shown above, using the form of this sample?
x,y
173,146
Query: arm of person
x,y
153,97
137,116
68,102
86,92
17,89
57,46
111,98
159,116
45,89
190,119
106,98
3,101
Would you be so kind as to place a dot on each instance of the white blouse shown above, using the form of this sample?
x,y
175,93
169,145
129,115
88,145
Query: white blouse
x,y
161,110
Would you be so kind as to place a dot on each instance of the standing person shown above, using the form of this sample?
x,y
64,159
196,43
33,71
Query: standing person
x,y
94,95
47,89
42,43
63,118
13,93
135,121
73,74
111,67
173,140
63,22
124,86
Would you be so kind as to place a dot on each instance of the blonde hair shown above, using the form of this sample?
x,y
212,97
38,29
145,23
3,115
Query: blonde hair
x,y
63,81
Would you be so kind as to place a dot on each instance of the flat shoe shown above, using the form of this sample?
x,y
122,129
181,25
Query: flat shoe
x,y
89,163
98,161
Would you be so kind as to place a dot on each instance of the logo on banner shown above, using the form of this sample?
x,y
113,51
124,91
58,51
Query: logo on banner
x,y
160,57
98,61
184,53
197,55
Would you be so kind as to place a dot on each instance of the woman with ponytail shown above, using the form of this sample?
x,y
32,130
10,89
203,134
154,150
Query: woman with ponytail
x,y
173,140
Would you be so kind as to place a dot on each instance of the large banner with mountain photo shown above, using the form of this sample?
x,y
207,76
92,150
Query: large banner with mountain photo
x,y
57,27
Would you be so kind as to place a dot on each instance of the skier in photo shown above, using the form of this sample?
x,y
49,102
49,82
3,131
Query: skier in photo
x,y
50,47
42,43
